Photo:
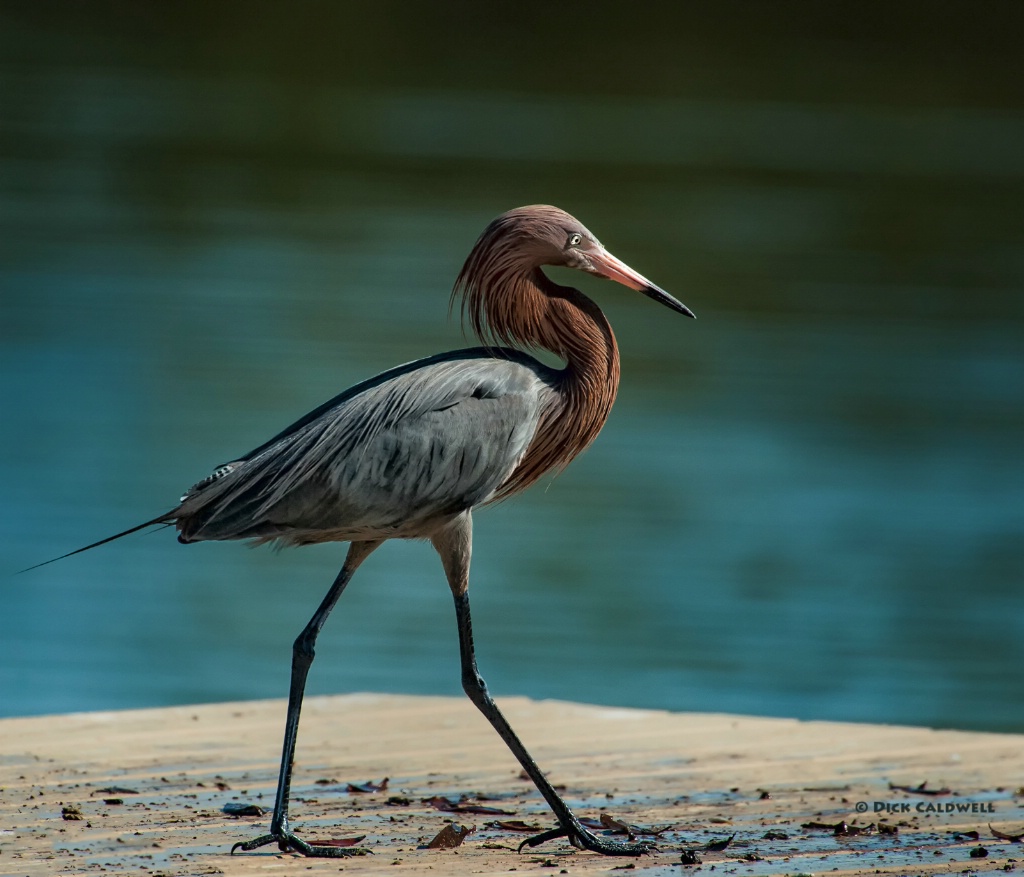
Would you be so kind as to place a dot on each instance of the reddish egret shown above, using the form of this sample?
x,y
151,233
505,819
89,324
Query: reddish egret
x,y
410,453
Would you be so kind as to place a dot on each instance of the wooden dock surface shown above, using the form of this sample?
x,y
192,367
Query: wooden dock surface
x,y
150,787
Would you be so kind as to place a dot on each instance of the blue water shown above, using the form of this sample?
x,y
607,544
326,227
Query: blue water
x,y
809,502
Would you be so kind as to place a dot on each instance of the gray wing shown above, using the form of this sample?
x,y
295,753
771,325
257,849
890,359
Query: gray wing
x,y
393,456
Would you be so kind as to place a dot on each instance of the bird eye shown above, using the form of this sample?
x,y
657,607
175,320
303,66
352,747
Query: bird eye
x,y
575,240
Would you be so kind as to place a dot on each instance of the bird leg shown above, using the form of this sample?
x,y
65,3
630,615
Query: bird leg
x,y
302,657
454,544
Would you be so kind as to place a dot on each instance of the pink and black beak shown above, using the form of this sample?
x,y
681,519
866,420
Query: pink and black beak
x,y
604,264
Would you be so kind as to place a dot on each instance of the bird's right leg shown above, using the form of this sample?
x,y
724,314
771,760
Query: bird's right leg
x,y
454,544
302,658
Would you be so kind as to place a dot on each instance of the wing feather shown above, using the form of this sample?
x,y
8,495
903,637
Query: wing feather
x,y
390,457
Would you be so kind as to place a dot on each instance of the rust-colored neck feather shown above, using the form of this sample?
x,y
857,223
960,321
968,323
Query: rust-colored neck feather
x,y
509,300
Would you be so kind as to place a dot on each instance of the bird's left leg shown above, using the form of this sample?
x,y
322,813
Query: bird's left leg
x,y
454,544
302,658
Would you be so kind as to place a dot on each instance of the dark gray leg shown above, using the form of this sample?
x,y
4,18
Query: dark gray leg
x,y
454,546
302,657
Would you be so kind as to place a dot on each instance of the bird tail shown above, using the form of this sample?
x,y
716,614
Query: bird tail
x,y
165,519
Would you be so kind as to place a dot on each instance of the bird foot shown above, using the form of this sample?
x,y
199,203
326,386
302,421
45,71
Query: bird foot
x,y
288,842
583,839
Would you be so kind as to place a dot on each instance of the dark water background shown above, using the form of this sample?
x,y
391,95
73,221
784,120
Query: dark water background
x,y
808,503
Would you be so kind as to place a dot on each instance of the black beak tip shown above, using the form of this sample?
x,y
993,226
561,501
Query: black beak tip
x,y
659,295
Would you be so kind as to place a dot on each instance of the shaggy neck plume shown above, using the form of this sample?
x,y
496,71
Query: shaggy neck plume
x,y
518,305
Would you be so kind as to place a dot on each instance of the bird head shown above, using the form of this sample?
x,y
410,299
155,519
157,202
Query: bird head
x,y
526,238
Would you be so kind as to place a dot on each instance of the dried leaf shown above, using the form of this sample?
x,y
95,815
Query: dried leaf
x,y
340,842
920,790
440,802
1002,835
618,827
368,787
451,836
237,808
719,845
70,813
841,828
516,825
970,835
652,830
844,830
447,805
116,790
484,810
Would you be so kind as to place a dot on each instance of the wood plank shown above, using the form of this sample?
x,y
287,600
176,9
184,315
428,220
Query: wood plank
x,y
703,775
